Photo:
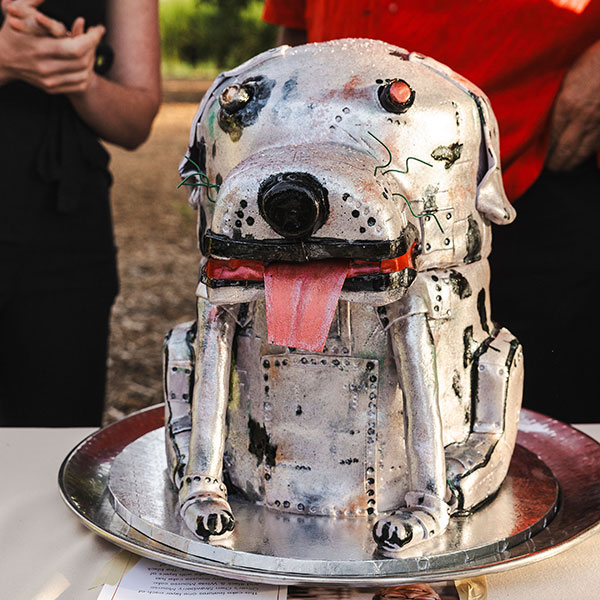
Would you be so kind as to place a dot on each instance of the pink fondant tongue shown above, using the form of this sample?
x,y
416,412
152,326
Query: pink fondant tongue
x,y
301,300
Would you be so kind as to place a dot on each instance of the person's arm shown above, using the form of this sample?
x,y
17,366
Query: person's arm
x,y
575,124
121,106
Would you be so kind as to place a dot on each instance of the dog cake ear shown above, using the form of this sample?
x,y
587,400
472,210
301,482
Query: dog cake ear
x,y
491,199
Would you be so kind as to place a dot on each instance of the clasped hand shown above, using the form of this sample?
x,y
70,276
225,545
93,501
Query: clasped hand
x,y
43,52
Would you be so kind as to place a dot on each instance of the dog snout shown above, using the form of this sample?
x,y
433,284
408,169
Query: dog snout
x,y
295,205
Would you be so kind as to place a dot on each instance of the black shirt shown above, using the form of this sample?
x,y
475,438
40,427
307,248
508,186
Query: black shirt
x,y
54,181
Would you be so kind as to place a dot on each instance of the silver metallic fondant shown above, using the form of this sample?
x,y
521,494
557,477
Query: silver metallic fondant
x,y
409,414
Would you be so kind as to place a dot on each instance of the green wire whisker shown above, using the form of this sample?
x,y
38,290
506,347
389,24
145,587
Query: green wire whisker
x,y
196,165
390,158
425,213
406,166
204,181
389,162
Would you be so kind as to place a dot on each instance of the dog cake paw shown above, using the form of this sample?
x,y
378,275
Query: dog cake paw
x,y
204,507
412,524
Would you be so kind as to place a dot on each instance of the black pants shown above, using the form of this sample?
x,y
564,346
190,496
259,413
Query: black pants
x,y
53,349
544,289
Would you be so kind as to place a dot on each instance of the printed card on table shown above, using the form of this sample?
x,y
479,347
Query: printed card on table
x,y
149,580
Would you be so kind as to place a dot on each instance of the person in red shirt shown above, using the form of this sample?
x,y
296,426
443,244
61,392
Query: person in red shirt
x,y
538,61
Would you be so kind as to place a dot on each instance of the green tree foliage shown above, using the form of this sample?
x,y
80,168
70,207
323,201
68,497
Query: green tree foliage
x,y
226,32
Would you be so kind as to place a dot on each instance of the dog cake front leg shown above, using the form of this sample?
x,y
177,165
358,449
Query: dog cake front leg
x,y
425,514
203,495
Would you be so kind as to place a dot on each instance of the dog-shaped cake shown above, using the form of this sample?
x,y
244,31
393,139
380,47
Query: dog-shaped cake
x,y
343,362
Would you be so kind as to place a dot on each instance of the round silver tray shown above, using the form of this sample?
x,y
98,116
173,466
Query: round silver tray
x,y
115,482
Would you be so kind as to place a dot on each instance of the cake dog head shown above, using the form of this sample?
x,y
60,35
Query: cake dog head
x,y
339,170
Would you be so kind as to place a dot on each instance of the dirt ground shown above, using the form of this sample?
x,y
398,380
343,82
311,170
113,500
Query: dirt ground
x,y
158,256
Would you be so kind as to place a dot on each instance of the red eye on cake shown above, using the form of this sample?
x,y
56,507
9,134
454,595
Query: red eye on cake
x,y
396,96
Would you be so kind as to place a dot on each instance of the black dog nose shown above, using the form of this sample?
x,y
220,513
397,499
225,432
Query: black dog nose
x,y
294,204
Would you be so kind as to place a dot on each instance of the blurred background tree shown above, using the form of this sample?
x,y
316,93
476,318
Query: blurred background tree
x,y
202,37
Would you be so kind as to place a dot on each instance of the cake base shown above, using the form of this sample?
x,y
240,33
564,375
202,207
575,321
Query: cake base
x,y
115,481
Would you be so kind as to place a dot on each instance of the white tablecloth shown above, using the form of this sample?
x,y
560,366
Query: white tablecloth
x,y
47,554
